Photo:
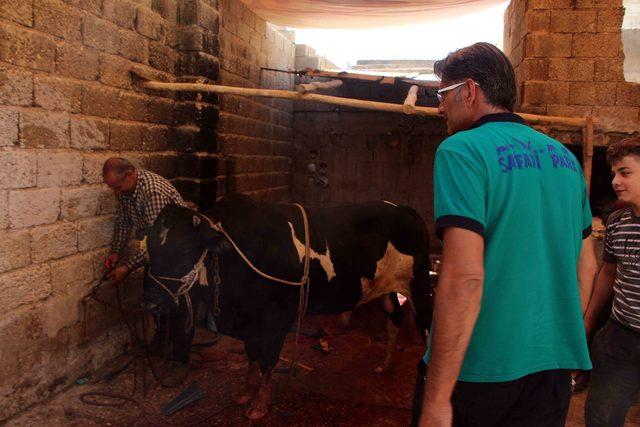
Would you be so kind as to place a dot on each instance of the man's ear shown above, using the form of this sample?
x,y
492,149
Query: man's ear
x,y
196,221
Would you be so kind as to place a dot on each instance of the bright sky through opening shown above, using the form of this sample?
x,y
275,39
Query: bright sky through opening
x,y
431,40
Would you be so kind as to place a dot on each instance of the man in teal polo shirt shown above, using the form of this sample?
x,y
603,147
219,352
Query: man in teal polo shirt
x,y
513,213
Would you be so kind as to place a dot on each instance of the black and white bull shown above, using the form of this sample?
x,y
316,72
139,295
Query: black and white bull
x,y
358,253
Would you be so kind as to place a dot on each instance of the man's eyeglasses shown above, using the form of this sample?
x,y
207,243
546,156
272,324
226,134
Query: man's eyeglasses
x,y
448,88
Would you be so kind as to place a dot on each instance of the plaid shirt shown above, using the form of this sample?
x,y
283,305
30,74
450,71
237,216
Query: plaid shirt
x,y
152,193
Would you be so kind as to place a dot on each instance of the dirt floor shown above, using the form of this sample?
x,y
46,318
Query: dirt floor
x,y
335,389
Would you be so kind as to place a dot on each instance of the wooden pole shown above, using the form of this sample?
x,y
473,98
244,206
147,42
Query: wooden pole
x,y
335,100
587,151
313,86
409,105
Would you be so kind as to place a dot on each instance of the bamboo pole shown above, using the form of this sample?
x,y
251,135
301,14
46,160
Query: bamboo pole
x,y
587,151
345,102
409,105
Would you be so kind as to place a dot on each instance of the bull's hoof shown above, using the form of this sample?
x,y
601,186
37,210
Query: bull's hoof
x,y
243,398
257,410
380,369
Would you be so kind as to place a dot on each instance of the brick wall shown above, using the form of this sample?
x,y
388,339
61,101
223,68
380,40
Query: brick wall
x,y
346,155
569,59
255,134
67,103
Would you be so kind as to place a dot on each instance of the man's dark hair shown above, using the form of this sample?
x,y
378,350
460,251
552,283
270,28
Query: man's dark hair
x,y
626,147
119,166
486,65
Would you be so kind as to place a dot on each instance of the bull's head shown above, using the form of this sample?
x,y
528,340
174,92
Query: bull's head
x,y
175,243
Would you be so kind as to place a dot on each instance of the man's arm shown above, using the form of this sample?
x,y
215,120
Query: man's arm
x,y
457,304
601,295
587,268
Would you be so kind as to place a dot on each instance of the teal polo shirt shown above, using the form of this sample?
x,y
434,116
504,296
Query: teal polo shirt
x,y
524,192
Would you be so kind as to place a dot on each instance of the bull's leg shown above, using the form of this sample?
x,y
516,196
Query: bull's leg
x,y
260,405
252,383
393,311
181,339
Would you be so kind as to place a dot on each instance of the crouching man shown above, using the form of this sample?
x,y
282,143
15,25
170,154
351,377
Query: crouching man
x,y
140,196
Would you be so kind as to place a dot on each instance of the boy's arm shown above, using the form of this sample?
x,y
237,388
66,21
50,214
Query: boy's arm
x,y
587,268
601,294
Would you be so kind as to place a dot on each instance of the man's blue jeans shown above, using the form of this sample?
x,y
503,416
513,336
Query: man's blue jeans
x,y
615,378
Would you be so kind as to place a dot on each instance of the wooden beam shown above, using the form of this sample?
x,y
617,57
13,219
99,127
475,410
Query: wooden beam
x,y
409,105
587,151
313,86
335,100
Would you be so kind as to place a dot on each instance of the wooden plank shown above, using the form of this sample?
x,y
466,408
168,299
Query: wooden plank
x,y
313,86
587,151
409,105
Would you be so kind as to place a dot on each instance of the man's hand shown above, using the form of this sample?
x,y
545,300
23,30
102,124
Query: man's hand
x,y
111,261
118,274
436,415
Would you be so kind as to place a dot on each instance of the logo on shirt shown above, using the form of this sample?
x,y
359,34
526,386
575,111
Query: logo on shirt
x,y
518,155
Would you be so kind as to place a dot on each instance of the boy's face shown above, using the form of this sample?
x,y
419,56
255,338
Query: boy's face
x,y
626,179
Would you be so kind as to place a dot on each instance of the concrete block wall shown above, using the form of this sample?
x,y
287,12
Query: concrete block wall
x,y
67,102
345,155
569,57
255,135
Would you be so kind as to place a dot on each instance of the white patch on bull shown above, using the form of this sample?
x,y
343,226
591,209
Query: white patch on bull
x,y
394,272
325,259
163,235
389,203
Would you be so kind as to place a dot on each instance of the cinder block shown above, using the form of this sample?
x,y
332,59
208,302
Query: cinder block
x,y
150,24
92,6
44,129
610,20
15,249
52,93
114,71
573,21
132,106
536,20
125,136
100,34
549,4
155,138
190,38
608,70
19,12
4,209
548,45
133,46
27,48
77,61
53,241
92,167
56,18
120,12
598,4
17,169
107,201
628,94
162,57
569,110
568,69
16,86
593,93
57,169
80,202
603,45
536,68
95,232
89,133
72,272
617,119
9,119
24,286
101,101
161,110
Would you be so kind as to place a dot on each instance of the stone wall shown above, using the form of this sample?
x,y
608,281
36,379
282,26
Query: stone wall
x,y
254,134
568,56
345,155
67,102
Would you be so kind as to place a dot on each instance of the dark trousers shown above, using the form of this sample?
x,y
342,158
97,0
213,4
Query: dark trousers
x,y
537,400
615,378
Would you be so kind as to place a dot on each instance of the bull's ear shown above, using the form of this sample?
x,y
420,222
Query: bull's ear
x,y
196,220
